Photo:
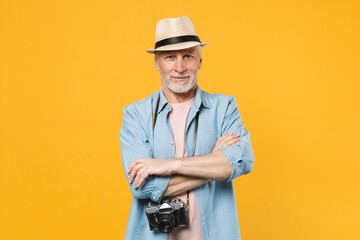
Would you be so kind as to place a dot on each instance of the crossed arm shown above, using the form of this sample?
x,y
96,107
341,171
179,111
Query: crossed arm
x,y
165,177
187,173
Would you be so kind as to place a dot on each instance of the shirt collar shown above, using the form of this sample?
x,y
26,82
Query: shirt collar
x,y
200,99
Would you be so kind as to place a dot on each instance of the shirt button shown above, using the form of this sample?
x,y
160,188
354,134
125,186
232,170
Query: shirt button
x,y
167,107
172,143
165,120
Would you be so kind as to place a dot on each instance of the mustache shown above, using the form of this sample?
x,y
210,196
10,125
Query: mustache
x,y
179,76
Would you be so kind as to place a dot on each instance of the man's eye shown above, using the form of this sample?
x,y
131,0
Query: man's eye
x,y
188,57
169,57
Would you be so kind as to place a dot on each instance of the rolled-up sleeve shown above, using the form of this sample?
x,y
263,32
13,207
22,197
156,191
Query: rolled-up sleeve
x,y
240,156
135,144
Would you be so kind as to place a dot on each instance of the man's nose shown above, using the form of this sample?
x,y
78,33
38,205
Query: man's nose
x,y
180,65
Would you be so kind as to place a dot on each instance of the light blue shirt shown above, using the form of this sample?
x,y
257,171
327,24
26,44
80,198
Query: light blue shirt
x,y
218,115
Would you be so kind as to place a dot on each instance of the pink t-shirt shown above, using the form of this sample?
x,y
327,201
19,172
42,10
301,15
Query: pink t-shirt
x,y
177,118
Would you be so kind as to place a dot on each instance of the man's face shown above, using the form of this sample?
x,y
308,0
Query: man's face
x,y
179,69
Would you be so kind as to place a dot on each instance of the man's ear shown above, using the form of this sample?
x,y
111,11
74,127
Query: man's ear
x,y
156,63
200,62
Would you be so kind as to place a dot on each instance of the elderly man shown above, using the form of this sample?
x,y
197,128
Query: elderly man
x,y
182,147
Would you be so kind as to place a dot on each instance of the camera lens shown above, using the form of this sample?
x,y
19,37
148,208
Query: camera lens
x,y
166,223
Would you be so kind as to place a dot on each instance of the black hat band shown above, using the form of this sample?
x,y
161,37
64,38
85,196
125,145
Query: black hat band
x,y
180,39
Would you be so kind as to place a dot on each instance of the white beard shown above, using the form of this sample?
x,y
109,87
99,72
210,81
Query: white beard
x,y
179,89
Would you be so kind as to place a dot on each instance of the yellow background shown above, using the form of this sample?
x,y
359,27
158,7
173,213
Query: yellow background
x,y
68,68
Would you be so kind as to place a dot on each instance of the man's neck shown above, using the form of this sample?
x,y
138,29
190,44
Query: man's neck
x,y
179,97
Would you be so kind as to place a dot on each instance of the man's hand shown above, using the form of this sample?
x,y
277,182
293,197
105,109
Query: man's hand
x,y
142,168
228,139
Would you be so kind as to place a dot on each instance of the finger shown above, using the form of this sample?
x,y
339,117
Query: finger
x,y
132,176
134,163
229,136
232,135
134,173
142,175
223,140
233,143
224,136
228,139
230,142
138,176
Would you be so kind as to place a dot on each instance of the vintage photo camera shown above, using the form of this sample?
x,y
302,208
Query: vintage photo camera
x,y
166,215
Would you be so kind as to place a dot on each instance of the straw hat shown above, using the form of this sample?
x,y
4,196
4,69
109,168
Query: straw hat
x,y
175,34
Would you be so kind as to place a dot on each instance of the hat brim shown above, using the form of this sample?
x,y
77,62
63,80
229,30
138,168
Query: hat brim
x,y
177,46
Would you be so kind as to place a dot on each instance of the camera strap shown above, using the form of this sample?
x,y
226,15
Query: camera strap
x,y
195,134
